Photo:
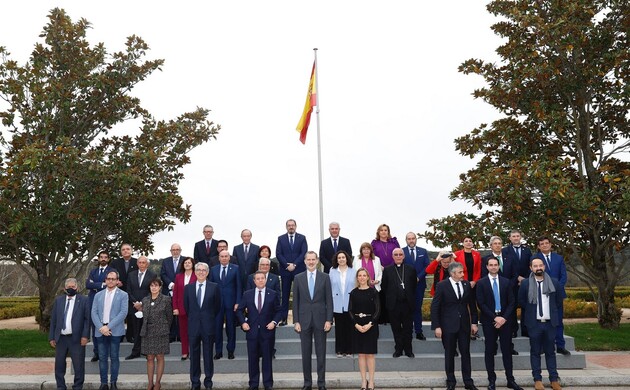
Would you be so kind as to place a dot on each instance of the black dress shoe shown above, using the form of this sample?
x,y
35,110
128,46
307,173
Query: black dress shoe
x,y
252,388
397,354
450,387
563,351
112,386
470,387
492,386
420,336
132,356
514,352
321,388
104,387
94,358
410,355
307,388
514,385
195,388
230,355
218,355
268,388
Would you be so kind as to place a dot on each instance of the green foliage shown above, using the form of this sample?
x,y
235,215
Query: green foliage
x,y
591,337
68,187
18,310
556,163
24,343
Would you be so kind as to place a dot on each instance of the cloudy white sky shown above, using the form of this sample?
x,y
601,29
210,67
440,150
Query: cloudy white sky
x,y
391,103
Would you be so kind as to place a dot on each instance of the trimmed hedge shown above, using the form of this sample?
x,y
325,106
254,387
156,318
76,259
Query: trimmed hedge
x,y
16,307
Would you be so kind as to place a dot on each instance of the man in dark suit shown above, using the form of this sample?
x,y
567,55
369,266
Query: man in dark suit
x,y
540,297
262,306
124,265
222,245
519,255
555,267
508,269
272,281
399,284
331,245
202,302
228,278
290,251
419,259
454,320
246,255
138,288
69,333
95,283
170,268
496,301
206,248
312,318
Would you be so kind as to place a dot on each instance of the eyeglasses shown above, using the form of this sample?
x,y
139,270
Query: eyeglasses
x,y
201,270
111,279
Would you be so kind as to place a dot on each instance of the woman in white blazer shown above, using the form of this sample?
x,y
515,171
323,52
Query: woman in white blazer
x,y
371,263
342,282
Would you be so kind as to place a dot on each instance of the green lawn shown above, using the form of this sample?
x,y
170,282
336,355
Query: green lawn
x,y
590,337
24,343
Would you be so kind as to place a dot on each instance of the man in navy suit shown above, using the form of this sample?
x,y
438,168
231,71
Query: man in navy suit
x,y
206,248
246,255
332,245
508,269
125,264
262,305
170,268
290,251
519,255
202,302
138,288
496,301
312,318
556,268
69,333
95,283
454,320
540,297
272,281
228,278
418,258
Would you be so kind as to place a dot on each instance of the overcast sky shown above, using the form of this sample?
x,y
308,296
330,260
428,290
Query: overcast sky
x,y
391,104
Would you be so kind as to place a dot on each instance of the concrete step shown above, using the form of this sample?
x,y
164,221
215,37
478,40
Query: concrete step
x,y
384,363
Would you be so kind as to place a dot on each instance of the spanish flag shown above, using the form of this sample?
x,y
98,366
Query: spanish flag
x,y
311,101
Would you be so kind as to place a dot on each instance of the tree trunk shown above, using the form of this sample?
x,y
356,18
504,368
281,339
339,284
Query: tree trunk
x,y
608,314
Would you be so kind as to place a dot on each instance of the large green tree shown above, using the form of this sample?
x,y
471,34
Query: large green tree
x,y
556,162
83,165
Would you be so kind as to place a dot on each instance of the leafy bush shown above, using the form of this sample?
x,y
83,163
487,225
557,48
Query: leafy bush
x,y
17,307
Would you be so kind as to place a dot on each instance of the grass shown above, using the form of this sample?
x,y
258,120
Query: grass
x,y
590,337
24,343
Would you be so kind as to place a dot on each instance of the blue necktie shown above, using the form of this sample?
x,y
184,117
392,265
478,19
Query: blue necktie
x,y
199,294
65,314
540,308
223,273
335,245
497,299
291,241
311,285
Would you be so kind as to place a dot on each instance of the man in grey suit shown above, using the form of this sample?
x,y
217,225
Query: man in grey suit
x,y
69,333
312,317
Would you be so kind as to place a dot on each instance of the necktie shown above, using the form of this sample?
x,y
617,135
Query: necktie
x,y
540,308
500,263
311,284
223,273
246,250
175,262
459,292
207,248
259,301
548,260
412,252
100,272
140,278
497,299
65,314
335,245
199,294
517,249
291,241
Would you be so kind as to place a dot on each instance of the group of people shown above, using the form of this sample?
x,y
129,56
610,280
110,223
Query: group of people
x,y
216,290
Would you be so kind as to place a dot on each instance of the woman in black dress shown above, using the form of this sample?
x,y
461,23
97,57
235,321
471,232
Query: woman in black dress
x,y
364,309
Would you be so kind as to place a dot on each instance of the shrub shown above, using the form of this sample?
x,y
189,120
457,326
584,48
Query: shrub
x,y
17,310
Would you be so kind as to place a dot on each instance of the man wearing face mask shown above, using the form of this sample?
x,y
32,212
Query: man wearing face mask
x,y
69,333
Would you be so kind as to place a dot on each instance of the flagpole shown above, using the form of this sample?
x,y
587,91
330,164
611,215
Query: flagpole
x,y
319,154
